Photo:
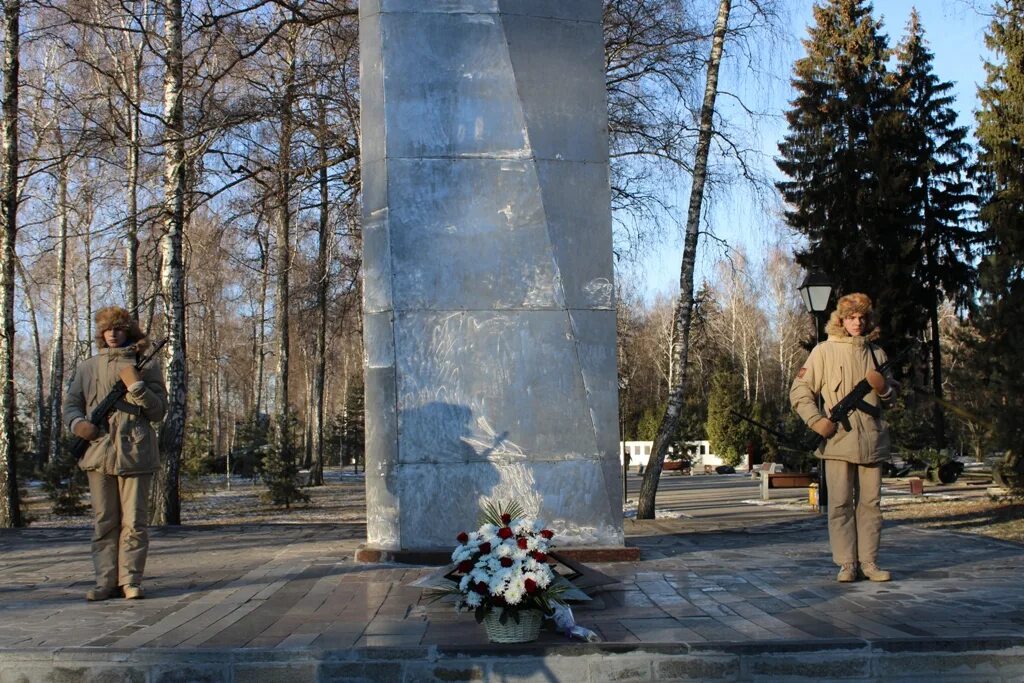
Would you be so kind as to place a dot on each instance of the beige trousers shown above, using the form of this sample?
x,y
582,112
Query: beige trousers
x,y
120,541
854,511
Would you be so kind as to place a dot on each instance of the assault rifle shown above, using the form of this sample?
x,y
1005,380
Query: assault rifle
x,y
102,412
855,399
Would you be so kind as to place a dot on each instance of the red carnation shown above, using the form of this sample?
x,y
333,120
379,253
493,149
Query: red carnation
x,y
531,586
506,562
462,537
521,543
485,548
506,518
504,532
547,533
539,556
481,588
466,566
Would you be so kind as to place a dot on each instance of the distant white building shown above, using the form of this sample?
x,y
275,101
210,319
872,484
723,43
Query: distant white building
x,y
701,457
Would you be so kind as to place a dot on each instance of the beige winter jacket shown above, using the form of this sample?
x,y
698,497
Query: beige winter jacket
x,y
129,444
832,369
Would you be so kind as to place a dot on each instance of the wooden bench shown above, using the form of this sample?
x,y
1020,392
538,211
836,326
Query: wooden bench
x,y
783,480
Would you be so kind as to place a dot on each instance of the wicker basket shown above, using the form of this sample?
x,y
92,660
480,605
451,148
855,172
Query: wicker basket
x,y
525,631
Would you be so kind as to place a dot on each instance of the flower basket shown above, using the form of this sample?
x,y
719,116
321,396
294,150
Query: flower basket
x,y
525,631
502,574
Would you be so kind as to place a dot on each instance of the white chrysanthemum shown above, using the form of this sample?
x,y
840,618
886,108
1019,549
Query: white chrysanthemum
x,y
503,550
496,587
479,574
538,526
487,530
544,578
464,583
515,590
474,599
531,543
522,526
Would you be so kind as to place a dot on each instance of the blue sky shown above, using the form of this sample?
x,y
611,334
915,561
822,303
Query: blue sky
x,y
955,33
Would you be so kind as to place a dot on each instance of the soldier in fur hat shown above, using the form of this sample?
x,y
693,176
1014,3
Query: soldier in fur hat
x,y
122,455
851,453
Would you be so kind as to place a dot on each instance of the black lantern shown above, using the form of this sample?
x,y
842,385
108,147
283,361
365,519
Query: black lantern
x,y
816,290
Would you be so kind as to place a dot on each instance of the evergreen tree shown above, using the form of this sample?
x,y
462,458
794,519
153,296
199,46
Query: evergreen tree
x,y
937,155
278,467
353,445
728,434
1000,316
847,192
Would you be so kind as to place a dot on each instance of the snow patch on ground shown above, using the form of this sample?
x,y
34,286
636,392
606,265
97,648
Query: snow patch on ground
x,y
629,512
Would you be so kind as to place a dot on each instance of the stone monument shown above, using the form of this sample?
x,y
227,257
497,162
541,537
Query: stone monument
x,y
489,315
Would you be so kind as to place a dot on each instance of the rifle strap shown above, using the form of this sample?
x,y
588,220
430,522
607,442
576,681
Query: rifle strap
x,y
874,359
871,410
129,408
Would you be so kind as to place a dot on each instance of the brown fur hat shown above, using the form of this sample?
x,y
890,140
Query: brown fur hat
x,y
847,306
110,317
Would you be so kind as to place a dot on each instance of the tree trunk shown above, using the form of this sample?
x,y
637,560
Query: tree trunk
x,y
316,473
42,424
87,269
10,508
307,413
284,186
938,416
261,333
172,271
684,307
57,345
132,246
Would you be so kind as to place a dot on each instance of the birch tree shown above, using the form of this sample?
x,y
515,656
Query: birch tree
x,y
172,276
10,508
684,306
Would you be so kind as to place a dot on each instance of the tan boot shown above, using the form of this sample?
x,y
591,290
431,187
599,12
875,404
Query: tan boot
x,y
847,573
133,591
871,572
98,593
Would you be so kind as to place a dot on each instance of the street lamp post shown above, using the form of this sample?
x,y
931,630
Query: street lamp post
x,y
623,385
816,290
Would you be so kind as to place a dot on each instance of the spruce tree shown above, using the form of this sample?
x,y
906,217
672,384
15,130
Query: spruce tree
x,y
936,154
727,433
1000,318
847,192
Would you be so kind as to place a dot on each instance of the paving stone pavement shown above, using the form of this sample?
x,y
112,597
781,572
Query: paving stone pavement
x,y
293,588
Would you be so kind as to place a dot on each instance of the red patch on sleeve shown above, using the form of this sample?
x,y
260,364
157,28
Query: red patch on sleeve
x,y
800,375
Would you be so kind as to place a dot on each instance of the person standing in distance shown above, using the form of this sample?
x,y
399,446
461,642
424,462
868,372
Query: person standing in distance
x,y
122,455
851,453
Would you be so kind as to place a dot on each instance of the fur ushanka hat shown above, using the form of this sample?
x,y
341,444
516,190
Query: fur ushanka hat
x,y
109,317
856,303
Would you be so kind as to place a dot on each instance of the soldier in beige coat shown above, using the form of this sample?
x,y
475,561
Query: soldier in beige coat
x,y
851,452
122,454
